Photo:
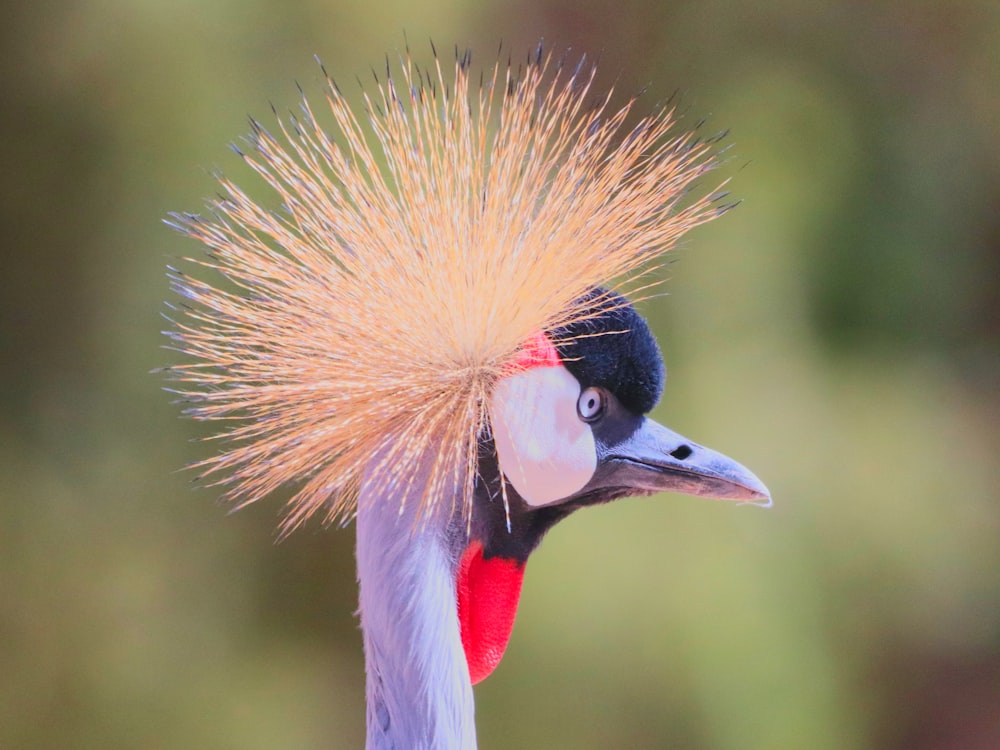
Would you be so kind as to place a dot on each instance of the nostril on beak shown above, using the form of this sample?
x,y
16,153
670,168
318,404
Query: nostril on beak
x,y
681,452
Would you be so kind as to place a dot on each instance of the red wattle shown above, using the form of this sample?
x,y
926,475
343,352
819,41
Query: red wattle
x,y
488,591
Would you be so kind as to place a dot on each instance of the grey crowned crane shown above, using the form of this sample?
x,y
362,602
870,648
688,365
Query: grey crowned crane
x,y
425,335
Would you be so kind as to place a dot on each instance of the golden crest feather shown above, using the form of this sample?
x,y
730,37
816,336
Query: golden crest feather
x,y
414,251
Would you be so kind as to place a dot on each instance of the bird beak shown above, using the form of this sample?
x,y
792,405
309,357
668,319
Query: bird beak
x,y
655,459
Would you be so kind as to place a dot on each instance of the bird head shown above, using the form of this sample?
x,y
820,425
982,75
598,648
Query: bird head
x,y
569,429
429,302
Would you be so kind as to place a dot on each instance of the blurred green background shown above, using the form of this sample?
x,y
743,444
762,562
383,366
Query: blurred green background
x,y
838,333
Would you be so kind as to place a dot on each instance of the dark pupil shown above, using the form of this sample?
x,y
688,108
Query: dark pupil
x,y
591,403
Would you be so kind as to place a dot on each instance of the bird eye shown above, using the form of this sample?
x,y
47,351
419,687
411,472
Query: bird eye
x,y
590,406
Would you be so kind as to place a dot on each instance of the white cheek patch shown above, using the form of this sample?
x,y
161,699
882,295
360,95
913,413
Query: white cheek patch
x,y
546,451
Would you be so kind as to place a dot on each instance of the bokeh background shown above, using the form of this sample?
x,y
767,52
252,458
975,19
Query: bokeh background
x,y
838,333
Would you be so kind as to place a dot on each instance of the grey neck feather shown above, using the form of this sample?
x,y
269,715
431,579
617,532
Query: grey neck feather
x,y
419,694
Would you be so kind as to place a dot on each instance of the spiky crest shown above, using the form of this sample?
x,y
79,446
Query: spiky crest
x,y
415,251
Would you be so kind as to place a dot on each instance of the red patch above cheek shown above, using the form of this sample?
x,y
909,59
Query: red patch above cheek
x,y
537,351
488,591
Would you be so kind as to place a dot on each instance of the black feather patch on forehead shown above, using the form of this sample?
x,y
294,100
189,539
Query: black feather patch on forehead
x,y
613,348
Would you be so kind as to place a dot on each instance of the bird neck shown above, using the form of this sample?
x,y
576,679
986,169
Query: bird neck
x,y
419,693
